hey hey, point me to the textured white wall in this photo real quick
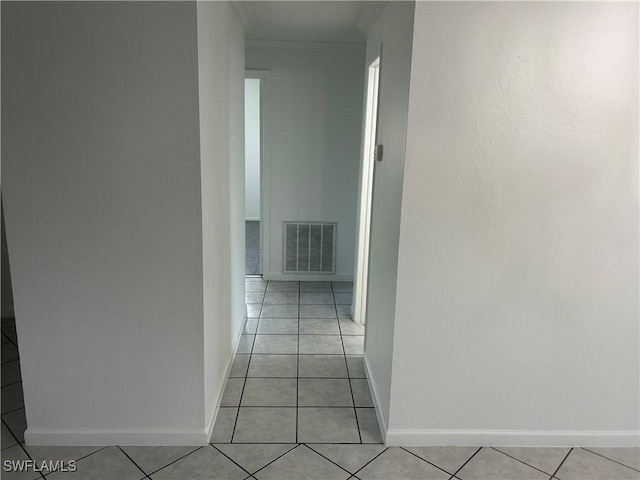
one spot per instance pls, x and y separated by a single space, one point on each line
517 302
252 148
312 126
393 29
101 177
221 89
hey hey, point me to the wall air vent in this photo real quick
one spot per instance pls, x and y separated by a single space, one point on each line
309 247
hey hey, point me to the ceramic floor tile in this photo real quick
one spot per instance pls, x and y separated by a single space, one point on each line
253 310
252 457
250 326
64 453
8 352
269 392
282 326
239 366
342 286
281 298
324 287
353 345
232 392
318 311
254 296
394 463
349 327
489 463
106 464
344 298
327 425
225 422
321 344
332 366
204 463
344 311
17 423
584 465
350 457
4 339
302 463
279 311
368 424
265 424
10 372
151 459
274 286
319 326
355 365
321 392
447 458
12 397
627 456
275 344
246 343
316 298
273 366
7 440
545 459
17 454
361 392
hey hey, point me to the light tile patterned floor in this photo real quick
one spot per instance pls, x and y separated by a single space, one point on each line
304 411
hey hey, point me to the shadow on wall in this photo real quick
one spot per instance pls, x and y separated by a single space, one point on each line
7 291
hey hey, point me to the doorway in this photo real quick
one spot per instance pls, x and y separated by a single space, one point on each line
252 175
365 201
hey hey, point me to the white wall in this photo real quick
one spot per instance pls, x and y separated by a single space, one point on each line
517 303
103 174
252 148
221 89
393 29
312 128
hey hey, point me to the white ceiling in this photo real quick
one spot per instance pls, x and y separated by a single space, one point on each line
307 21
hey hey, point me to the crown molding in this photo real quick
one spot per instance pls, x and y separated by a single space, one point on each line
369 15
244 11
278 44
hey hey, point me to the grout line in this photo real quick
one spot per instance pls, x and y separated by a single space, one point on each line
353 400
360 469
176 460
468 460
131 459
277 458
610 459
427 461
12 411
327 458
12 383
562 463
517 459
6 425
227 456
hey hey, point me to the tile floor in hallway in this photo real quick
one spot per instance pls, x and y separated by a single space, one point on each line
296 367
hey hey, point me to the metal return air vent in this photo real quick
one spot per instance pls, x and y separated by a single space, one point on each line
309 247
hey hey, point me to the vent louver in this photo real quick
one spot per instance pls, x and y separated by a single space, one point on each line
309 247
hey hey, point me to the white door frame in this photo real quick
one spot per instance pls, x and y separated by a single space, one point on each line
265 179
365 191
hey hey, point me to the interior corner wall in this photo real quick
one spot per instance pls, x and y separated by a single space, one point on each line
312 122
518 269
101 190
393 30
221 87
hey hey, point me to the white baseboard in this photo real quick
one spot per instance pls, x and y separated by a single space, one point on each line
137 437
511 438
213 413
382 421
317 277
